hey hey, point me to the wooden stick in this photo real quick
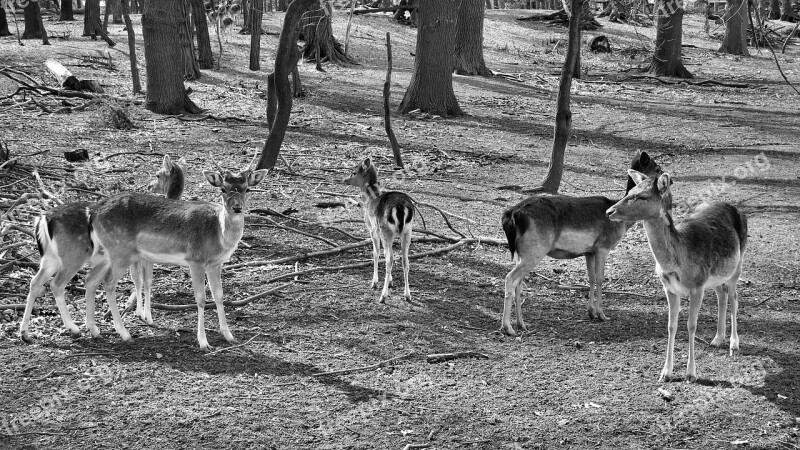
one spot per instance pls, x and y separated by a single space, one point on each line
223 349
295 230
365 368
387 117
583 287
301 257
243 302
443 212
441 357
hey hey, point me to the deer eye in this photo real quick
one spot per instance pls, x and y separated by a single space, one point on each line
247 190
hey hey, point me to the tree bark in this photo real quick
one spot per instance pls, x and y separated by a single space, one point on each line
38 12
669 34
66 14
32 29
774 9
163 32
4 23
191 67
205 56
563 126
91 18
387 115
317 30
468 56
256 12
787 13
137 85
431 87
279 97
735 41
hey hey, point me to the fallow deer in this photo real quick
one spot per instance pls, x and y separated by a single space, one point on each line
201 235
62 236
705 250
388 215
563 228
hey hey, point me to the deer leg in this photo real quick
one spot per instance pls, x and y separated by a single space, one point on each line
388 252
733 296
590 272
147 286
58 285
93 280
46 270
405 243
514 293
376 255
722 306
214 275
113 275
599 277
137 276
672 328
695 301
199 288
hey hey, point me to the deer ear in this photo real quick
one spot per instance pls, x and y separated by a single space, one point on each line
182 162
636 176
167 163
644 159
213 177
367 163
664 182
255 177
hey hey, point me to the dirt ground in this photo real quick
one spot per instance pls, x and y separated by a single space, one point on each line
568 383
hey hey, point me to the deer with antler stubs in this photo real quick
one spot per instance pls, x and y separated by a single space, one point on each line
705 250
198 234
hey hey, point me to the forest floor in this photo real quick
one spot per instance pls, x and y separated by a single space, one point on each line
567 383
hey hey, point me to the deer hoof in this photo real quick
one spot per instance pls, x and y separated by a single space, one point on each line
26 337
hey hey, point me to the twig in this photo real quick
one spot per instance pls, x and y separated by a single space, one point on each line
114 155
443 212
789 37
365 368
412 446
242 302
772 50
583 287
763 301
233 346
295 230
442 357
444 216
301 257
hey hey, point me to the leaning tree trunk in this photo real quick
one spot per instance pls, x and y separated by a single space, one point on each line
205 56
163 54
66 11
126 16
256 13
787 13
32 29
669 34
735 41
431 87
563 126
468 56
4 23
317 31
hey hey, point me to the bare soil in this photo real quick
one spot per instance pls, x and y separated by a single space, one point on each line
568 383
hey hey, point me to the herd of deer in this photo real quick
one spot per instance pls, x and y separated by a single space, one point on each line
131 231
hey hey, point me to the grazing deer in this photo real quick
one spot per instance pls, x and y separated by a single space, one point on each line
62 236
235 10
563 228
388 215
201 235
705 250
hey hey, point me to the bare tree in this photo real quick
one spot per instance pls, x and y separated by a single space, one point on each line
4 31
66 13
431 87
787 13
256 12
468 55
669 35
205 58
164 57
317 31
735 41
137 85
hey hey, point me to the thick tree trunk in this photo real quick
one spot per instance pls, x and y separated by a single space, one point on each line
137 85
66 11
468 56
774 9
164 57
91 18
205 56
563 126
669 34
4 23
321 45
191 67
787 13
116 13
32 28
735 41
431 87
38 12
136 7
256 12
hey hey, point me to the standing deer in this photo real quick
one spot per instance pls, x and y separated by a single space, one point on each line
201 235
62 236
387 215
563 228
705 250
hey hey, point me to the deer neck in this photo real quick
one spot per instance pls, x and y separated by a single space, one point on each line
664 241
232 227
370 194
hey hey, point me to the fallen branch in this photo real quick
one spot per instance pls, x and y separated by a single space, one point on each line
304 233
582 287
301 257
224 349
365 368
242 302
665 80
442 357
772 50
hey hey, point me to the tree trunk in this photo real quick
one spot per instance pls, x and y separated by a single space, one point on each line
32 29
255 33
669 34
66 11
137 85
191 68
787 13
107 13
774 9
563 126
205 56
91 18
164 57
281 5
4 23
116 13
136 7
735 41
38 12
279 99
468 56
431 87
321 45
